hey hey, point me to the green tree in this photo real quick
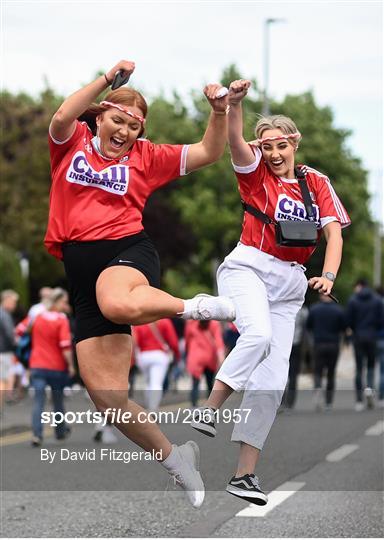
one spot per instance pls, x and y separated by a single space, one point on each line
195 221
11 276
25 174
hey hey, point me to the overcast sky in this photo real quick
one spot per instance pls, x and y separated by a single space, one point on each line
331 47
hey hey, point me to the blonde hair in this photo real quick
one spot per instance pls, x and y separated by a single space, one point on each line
8 293
276 121
56 294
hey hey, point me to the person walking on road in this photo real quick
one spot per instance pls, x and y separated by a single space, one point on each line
264 276
103 172
156 345
327 324
295 357
365 316
45 298
8 304
51 361
380 353
205 353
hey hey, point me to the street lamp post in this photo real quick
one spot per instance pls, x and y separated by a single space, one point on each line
267 23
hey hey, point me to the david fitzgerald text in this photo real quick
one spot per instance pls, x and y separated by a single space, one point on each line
99 454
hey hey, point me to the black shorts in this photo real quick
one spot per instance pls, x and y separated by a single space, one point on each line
84 262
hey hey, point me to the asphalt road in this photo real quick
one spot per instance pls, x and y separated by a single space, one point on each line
323 472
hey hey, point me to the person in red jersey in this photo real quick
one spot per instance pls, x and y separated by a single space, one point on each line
204 353
51 361
265 279
156 346
103 171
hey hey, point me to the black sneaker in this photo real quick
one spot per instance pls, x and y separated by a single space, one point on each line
98 435
247 487
64 435
204 421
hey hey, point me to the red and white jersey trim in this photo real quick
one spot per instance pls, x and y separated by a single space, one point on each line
60 142
248 168
183 160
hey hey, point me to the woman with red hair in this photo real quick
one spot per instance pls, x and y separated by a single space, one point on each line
103 172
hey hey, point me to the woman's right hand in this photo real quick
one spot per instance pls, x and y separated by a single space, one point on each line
126 66
238 90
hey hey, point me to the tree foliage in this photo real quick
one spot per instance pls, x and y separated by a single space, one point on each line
11 276
196 220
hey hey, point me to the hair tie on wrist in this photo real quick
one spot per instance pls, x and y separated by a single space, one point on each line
222 113
106 78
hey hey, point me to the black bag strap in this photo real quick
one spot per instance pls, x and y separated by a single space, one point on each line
257 213
300 176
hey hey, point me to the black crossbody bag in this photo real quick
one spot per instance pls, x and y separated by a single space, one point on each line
291 233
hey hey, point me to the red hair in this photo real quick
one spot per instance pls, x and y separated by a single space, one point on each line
124 96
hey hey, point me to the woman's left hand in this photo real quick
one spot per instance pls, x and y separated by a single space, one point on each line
321 284
217 104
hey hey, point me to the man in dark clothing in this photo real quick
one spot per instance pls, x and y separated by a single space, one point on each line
326 321
8 303
365 315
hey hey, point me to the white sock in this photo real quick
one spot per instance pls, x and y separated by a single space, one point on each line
172 462
189 305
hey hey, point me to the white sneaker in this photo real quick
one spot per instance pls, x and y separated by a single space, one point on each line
187 474
108 437
204 307
359 406
370 397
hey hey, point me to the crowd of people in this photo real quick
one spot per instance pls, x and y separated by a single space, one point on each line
105 169
171 350
323 329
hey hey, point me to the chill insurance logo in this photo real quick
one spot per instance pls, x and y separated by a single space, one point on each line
113 179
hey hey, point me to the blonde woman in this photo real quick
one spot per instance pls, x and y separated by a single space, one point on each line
265 276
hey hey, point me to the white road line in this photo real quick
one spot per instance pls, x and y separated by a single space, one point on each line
342 452
376 429
274 499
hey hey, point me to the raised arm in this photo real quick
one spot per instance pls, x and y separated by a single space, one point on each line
63 121
212 145
241 153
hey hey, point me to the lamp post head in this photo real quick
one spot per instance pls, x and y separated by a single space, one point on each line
273 20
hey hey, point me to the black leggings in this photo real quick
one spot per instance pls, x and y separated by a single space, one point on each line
365 350
326 355
209 377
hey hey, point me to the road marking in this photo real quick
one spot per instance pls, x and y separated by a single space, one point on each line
275 498
341 453
24 436
376 429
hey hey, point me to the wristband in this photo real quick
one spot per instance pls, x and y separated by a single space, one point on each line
221 113
106 78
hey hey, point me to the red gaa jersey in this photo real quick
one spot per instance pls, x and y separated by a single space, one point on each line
146 337
51 335
281 199
93 197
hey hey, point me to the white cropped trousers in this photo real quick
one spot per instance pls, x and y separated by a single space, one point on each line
267 294
154 366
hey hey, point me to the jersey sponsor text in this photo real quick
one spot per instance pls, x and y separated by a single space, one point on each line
113 179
